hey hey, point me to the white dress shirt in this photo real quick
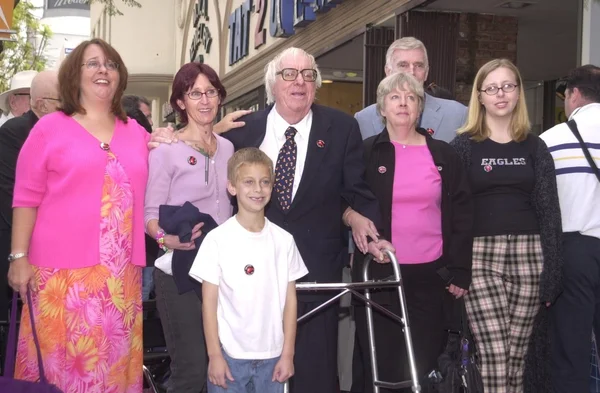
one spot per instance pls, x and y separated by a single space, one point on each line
275 138
6 117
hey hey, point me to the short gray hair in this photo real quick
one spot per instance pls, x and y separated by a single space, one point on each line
274 67
405 43
400 81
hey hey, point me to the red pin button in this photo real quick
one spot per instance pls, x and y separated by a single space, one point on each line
487 168
105 146
321 143
382 169
249 269
192 160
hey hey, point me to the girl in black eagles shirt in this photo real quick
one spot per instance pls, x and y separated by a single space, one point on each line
517 229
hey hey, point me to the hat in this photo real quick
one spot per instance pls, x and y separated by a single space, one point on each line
20 83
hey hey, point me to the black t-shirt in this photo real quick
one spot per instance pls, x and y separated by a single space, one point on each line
502 179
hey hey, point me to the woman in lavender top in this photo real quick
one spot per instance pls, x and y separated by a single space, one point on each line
193 170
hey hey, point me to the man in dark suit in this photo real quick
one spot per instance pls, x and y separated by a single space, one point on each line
318 157
13 133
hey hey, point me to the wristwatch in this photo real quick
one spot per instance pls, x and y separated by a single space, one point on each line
13 257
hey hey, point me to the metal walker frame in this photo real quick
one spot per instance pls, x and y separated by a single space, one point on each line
367 285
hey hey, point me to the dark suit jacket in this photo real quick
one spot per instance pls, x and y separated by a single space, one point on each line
13 134
333 174
179 221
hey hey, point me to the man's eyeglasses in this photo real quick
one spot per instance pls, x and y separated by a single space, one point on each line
95 65
493 90
197 94
290 74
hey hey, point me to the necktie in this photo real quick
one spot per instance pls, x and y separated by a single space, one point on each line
285 169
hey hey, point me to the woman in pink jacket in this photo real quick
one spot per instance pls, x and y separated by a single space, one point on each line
78 231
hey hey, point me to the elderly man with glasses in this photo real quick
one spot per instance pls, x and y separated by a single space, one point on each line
319 168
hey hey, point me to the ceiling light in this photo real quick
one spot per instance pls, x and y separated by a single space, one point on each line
351 74
327 81
339 74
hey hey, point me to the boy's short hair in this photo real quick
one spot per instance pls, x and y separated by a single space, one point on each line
248 155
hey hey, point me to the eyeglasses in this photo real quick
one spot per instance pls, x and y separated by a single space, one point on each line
493 90
95 65
290 74
197 94
22 94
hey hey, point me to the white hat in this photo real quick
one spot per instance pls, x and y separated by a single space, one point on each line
20 83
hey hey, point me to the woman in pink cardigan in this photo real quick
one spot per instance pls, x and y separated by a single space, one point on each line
78 231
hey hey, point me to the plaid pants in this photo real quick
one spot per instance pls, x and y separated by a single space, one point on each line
501 305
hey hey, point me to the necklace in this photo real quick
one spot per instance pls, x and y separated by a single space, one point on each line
206 149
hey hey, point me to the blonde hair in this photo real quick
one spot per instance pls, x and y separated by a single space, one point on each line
274 66
405 43
247 156
475 125
400 81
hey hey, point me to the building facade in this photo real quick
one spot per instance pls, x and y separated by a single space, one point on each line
349 39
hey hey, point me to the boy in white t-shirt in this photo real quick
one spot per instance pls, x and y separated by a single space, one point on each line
248 267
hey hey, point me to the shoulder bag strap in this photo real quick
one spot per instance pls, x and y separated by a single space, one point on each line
573 126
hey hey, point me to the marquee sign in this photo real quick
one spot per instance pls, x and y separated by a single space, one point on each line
284 17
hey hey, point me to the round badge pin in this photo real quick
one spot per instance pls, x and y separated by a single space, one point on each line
487 168
382 169
105 146
192 160
321 143
249 270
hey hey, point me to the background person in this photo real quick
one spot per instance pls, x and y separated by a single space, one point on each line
442 116
16 101
577 310
138 109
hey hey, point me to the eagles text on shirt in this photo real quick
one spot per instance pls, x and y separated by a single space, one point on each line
503 161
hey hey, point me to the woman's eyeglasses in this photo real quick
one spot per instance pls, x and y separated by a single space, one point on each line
96 64
493 90
197 94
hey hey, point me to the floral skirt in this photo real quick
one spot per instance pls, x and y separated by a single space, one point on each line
89 320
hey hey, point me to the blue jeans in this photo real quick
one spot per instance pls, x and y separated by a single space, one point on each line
251 376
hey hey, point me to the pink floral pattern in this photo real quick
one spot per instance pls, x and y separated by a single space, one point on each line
89 321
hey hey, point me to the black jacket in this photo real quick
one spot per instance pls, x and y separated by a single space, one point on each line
457 206
13 134
179 221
